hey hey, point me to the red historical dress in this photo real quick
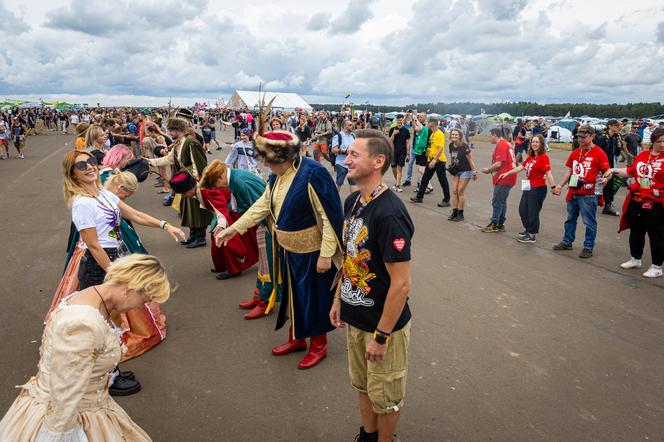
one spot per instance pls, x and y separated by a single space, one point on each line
241 252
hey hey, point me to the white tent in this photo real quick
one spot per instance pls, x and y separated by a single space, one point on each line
248 100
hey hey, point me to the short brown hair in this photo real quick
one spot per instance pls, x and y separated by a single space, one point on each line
656 134
377 144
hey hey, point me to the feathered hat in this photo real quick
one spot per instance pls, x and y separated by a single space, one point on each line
276 146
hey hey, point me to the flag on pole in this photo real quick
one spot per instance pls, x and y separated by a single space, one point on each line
346 95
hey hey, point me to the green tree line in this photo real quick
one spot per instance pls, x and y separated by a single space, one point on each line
629 110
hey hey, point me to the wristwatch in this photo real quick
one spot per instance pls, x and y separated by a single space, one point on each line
380 337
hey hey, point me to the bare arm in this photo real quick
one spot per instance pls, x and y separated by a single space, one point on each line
89 237
144 219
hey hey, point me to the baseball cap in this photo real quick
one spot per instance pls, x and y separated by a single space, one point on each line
586 130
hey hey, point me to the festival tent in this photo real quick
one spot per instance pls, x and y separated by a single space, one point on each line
560 134
248 100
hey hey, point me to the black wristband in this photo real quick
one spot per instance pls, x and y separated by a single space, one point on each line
382 332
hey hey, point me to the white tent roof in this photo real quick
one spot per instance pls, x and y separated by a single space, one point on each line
283 100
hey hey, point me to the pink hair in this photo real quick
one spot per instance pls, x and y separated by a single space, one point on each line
117 155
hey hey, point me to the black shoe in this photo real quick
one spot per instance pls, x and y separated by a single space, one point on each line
525 232
124 387
208 152
198 242
444 204
416 199
458 218
586 253
366 437
168 202
453 215
218 148
501 227
128 374
562 246
189 240
215 270
608 210
225 275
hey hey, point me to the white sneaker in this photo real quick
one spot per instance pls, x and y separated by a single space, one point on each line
653 272
399 189
21 156
633 263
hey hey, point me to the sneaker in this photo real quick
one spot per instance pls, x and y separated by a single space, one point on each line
399 189
653 272
394 188
525 232
490 228
406 183
444 204
501 227
608 210
21 156
2 157
586 253
527 238
562 246
416 199
633 263
458 218
428 190
453 215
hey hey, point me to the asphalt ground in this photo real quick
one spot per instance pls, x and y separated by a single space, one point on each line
510 341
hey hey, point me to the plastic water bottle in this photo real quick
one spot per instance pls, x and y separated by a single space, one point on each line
600 182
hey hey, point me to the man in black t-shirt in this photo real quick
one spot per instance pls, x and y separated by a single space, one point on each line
399 137
372 295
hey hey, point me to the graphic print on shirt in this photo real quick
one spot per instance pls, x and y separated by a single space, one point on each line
355 274
112 217
648 170
581 168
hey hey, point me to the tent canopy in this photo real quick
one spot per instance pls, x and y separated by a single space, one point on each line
283 101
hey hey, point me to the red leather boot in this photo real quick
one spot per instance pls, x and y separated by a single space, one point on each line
248 305
291 346
317 352
258 311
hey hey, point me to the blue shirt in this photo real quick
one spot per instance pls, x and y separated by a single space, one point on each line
346 140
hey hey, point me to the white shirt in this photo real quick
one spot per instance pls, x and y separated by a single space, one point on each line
74 119
102 213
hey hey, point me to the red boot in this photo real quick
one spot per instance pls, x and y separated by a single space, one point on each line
291 346
248 305
258 311
317 352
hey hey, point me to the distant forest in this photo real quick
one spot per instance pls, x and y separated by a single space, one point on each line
629 110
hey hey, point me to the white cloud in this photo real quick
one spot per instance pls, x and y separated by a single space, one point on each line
381 50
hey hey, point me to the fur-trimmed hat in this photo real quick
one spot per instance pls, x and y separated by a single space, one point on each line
177 124
185 113
277 146
182 182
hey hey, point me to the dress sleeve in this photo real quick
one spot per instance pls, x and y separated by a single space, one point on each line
255 214
163 161
78 338
232 155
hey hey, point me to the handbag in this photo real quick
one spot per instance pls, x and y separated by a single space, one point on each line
453 168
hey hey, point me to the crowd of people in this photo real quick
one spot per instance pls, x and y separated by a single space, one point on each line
321 263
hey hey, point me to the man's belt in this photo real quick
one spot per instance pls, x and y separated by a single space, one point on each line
302 241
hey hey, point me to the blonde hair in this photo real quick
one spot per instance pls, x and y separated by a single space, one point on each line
119 178
212 173
143 273
71 188
92 134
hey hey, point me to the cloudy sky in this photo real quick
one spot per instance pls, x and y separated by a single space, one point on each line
384 51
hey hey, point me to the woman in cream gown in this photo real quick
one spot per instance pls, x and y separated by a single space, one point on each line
68 400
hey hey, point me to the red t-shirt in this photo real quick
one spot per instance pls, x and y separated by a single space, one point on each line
587 164
503 153
535 168
648 165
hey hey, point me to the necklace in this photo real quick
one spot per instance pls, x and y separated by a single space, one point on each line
363 204
103 302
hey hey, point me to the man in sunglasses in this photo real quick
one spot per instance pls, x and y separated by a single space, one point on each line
584 190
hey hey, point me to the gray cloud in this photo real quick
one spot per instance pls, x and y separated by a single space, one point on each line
318 21
352 18
503 10
660 32
10 22
598 33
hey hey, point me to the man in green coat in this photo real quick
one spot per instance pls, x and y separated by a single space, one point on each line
187 154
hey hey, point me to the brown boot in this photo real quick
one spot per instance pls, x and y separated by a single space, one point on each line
248 305
258 311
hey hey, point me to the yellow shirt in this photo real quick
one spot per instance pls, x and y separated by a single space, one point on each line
436 142
261 210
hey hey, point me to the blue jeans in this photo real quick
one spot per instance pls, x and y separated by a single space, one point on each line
411 164
499 203
586 205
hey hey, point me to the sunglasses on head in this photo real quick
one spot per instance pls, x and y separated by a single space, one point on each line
583 135
82 165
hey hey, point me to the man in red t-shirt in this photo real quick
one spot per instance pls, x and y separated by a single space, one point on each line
584 167
502 162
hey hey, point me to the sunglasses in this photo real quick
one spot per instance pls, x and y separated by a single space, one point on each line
82 165
583 135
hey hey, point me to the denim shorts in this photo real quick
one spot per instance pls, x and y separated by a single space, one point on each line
341 175
466 174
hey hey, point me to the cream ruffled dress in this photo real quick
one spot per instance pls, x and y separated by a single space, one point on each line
68 400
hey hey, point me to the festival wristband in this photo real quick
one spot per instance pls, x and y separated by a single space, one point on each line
380 337
163 224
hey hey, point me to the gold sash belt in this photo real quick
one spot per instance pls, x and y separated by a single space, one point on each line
302 241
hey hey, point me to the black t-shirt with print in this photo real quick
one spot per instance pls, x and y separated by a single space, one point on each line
381 233
400 139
